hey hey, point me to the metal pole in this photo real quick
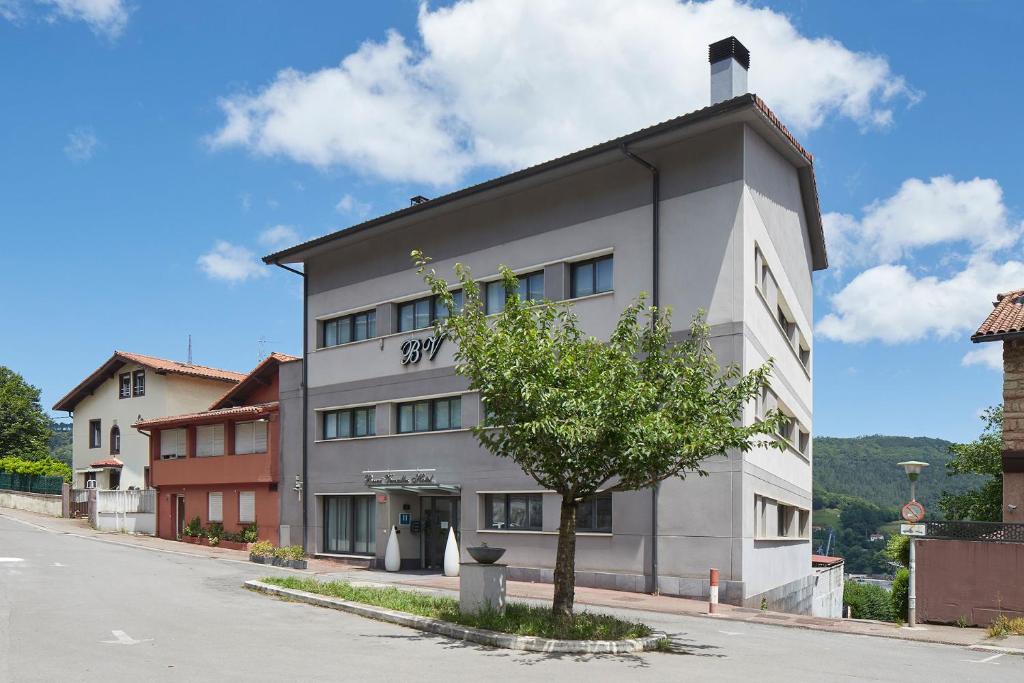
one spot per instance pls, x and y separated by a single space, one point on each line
912 599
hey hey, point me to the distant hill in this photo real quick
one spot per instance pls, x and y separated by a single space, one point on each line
866 467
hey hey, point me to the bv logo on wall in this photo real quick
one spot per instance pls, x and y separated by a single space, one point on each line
413 350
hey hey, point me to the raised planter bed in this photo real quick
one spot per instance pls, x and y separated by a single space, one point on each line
203 540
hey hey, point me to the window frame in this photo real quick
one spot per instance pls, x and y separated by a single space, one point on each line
350 321
349 415
266 436
523 277
506 501
241 519
138 383
115 440
592 502
209 506
575 266
124 385
433 306
95 433
432 405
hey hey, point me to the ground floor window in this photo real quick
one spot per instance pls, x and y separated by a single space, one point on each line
595 514
349 524
514 511
215 504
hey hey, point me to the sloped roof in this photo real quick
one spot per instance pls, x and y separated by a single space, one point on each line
254 376
1005 320
825 560
107 462
158 365
743 103
254 410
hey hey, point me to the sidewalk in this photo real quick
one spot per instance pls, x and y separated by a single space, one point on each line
589 597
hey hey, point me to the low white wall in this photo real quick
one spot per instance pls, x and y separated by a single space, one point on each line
41 503
128 522
828 592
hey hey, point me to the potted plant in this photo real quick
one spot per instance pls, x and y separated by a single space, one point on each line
250 533
261 551
280 557
193 531
485 554
296 557
214 533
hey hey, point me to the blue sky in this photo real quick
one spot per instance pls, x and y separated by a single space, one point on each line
152 151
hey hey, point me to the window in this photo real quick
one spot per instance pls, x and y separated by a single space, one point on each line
125 384
139 383
803 442
251 437
209 440
115 440
774 519
94 434
422 313
592 277
172 443
350 423
349 524
430 416
513 511
216 507
595 514
246 507
114 480
531 288
349 328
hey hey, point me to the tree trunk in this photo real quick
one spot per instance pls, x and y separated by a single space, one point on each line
565 561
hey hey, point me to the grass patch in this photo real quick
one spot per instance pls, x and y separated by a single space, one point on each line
519 619
1005 626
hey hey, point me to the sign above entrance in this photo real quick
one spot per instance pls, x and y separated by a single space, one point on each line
398 477
413 350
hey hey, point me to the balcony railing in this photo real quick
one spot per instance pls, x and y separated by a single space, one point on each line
215 469
976 531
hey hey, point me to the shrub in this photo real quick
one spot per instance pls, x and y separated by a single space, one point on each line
193 528
867 601
250 533
262 549
44 467
900 595
897 549
215 532
294 552
1004 626
281 553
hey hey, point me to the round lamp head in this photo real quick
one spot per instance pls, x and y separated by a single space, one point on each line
913 468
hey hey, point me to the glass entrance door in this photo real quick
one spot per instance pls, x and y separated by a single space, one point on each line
440 513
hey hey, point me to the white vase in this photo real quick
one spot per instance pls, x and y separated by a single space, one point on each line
393 556
451 554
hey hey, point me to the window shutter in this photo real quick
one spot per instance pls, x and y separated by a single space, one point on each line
218 439
172 443
259 437
216 512
243 437
246 506
210 440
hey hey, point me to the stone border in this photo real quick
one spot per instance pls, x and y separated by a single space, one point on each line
476 635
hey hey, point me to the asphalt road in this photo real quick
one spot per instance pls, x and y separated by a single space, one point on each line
79 609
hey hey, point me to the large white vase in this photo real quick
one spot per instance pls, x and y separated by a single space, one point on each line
451 554
393 556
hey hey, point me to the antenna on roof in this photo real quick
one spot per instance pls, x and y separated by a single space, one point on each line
190 349
261 346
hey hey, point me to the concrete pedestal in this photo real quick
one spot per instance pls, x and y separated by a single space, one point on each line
482 587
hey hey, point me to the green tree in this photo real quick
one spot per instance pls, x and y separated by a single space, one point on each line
982 456
24 427
580 415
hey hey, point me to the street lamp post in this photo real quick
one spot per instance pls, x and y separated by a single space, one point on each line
913 469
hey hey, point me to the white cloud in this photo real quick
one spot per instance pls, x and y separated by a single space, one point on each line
924 213
12 10
890 304
105 17
988 354
504 83
350 205
81 145
278 236
231 263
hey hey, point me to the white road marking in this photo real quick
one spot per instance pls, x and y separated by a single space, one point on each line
731 633
58 564
124 639
986 660
11 559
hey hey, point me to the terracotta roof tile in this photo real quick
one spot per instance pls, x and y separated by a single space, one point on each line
247 380
240 411
109 462
1005 320
825 560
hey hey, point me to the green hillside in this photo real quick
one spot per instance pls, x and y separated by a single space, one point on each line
866 467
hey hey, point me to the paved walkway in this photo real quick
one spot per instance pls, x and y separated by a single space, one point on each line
585 597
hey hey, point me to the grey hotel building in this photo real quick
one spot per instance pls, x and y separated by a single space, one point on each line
714 210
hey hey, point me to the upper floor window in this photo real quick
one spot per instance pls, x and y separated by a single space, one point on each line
349 328
592 277
251 437
421 313
210 440
115 440
531 288
350 423
595 514
139 383
172 443
125 385
95 436
430 416
514 511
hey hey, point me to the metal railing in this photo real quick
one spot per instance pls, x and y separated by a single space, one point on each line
31 483
976 531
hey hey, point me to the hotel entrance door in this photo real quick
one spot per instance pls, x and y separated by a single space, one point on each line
439 513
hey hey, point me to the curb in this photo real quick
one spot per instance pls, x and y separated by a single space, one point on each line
476 635
998 649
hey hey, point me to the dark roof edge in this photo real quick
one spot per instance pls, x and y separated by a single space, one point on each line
979 338
745 101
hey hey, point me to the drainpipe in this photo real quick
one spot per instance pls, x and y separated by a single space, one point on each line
655 301
305 400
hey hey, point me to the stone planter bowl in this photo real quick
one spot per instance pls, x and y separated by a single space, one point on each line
485 554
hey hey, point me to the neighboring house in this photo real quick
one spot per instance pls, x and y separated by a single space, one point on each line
106 452
1006 324
736 231
221 464
828 586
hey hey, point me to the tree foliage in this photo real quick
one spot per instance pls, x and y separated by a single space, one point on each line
581 415
24 427
983 456
42 467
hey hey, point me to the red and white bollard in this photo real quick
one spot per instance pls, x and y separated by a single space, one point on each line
713 593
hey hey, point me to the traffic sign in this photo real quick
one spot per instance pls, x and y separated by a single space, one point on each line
912 529
913 512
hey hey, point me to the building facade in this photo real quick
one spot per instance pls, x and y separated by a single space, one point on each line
106 452
221 464
720 214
